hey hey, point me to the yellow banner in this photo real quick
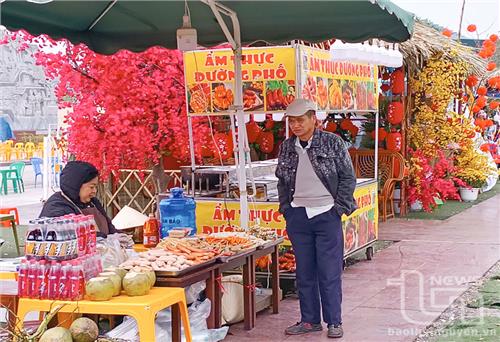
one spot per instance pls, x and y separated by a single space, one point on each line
360 229
268 79
337 85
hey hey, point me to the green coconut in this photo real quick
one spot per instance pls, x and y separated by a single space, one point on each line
136 284
116 279
57 334
100 288
84 330
120 271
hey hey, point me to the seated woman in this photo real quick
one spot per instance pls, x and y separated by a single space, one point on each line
77 196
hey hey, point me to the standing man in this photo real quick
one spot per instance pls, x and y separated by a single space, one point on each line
316 182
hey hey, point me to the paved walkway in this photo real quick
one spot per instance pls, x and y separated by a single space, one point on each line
406 286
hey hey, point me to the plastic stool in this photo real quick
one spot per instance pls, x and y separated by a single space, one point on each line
142 308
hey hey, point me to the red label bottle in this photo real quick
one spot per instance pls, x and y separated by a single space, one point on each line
151 232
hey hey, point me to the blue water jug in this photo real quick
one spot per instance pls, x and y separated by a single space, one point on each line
177 211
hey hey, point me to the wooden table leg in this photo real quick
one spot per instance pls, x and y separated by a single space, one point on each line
210 292
176 323
217 298
249 292
275 280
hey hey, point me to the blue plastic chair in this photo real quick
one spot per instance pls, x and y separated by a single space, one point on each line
37 167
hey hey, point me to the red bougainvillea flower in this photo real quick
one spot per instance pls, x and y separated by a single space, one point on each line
447 32
471 28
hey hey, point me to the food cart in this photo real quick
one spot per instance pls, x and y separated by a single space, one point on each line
272 78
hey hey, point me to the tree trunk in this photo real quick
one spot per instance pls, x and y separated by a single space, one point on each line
160 179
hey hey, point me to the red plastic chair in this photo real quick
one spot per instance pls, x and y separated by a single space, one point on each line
9 211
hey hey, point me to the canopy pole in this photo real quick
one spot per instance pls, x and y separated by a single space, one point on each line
235 41
193 160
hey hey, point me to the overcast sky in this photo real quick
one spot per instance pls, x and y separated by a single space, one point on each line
483 13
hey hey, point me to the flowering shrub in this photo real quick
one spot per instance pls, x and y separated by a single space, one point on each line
432 178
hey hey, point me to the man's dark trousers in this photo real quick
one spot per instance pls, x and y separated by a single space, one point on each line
318 244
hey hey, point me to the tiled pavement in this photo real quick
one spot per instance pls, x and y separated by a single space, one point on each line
407 285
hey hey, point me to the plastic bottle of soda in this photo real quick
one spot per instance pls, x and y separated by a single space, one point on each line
70 227
77 281
33 271
41 245
64 279
92 229
43 280
22 279
81 235
151 232
53 282
31 247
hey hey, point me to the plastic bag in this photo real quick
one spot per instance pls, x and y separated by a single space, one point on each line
198 314
232 299
193 291
111 251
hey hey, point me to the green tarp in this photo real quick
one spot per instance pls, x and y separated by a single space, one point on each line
137 25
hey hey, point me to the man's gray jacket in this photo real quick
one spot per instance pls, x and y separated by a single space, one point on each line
331 162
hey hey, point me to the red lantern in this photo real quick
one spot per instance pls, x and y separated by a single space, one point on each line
395 113
224 144
471 28
346 124
481 101
253 131
394 141
482 91
494 104
493 37
491 66
447 33
331 126
471 81
354 131
398 81
266 142
382 134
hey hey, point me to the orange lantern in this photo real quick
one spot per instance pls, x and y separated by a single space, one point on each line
447 33
481 101
494 104
471 28
331 126
395 112
224 144
491 66
346 124
471 81
493 37
253 131
394 141
266 142
382 134
482 91
398 81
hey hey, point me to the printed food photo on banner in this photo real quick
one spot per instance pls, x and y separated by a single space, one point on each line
334 94
322 93
347 95
363 229
222 96
253 98
371 96
309 89
351 234
279 94
372 233
361 96
199 98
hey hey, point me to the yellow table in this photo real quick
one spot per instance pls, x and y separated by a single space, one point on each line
142 308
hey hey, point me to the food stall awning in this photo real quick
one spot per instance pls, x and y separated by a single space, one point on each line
108 26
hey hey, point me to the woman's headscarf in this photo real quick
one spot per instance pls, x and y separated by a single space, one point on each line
74 175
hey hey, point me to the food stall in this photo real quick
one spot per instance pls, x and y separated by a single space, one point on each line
272 78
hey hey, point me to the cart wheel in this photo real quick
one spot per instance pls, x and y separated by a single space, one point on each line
369 253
